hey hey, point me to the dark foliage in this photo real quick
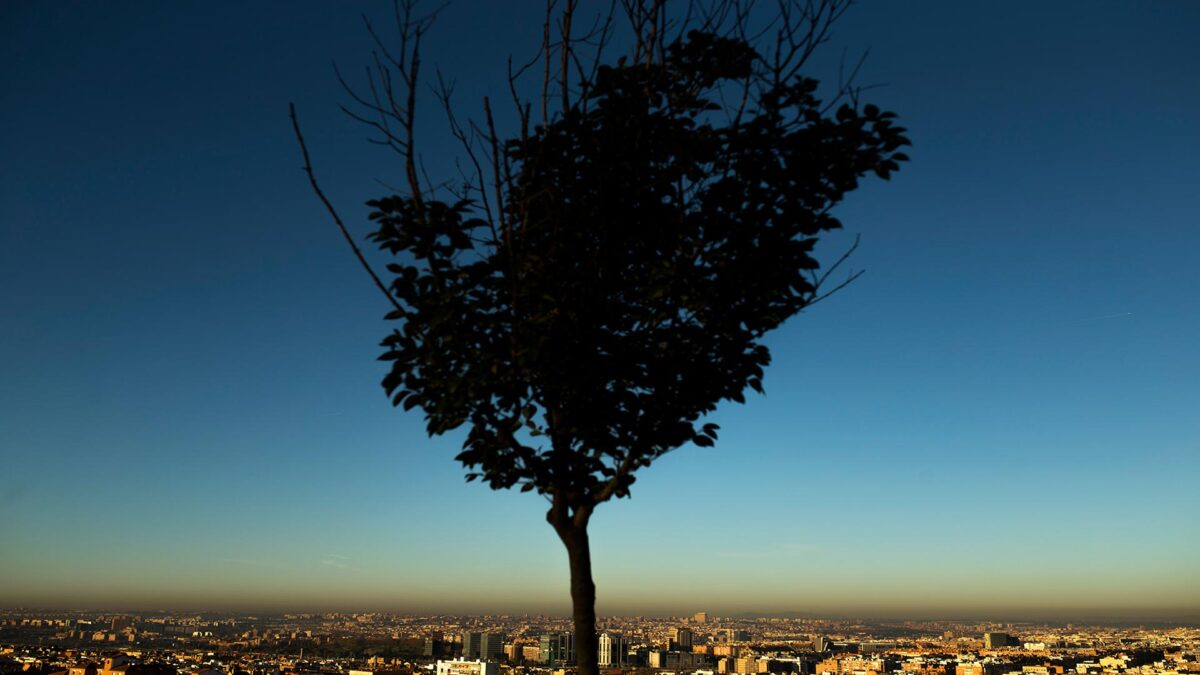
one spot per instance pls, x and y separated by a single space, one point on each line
643 243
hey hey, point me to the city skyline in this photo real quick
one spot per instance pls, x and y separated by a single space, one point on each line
638 641
375 644
997 419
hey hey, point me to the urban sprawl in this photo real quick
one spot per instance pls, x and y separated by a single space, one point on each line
79 643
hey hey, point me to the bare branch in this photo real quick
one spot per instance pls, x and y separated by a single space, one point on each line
410 164
820 280
546 62
494 142
521 107
565 55
466 138
312 179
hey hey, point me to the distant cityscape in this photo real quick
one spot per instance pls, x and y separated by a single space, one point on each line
90 643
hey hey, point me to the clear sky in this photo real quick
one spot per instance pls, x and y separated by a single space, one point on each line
1002 417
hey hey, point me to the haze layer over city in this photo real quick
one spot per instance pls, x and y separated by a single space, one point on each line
997 422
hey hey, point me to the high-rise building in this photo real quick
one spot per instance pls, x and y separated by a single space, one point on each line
491 646
700 617
470 644
998 640
820 643
612 649
682 638
558 649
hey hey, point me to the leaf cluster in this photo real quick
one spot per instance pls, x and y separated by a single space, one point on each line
644 241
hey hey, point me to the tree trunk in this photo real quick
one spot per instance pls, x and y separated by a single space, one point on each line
583 592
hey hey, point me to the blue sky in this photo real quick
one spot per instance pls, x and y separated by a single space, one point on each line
1000 417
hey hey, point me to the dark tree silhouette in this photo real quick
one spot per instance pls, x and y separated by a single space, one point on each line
605 276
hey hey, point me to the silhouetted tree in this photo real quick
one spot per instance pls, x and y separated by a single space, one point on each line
605 275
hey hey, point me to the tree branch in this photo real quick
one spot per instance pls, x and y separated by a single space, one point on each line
312 179
820 280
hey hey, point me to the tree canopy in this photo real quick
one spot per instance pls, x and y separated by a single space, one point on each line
618 286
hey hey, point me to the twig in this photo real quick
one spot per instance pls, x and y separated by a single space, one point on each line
312 179
819 281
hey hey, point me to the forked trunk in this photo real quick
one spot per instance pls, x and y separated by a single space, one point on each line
583 594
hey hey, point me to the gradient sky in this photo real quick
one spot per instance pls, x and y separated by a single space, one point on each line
1002 417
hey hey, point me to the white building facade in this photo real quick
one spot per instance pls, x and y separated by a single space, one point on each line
612 649
463 667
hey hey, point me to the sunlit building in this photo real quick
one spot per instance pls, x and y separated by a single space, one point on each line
464 667
612 649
